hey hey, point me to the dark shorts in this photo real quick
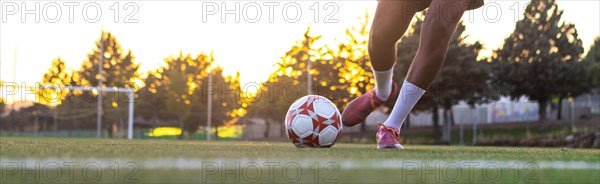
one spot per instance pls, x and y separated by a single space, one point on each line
420 5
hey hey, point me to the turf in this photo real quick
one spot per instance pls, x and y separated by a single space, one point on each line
320 165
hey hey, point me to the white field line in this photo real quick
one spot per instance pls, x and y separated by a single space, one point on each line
198 164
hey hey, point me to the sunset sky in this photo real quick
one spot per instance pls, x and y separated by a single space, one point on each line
166 27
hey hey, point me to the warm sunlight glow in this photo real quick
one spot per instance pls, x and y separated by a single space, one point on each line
235 131
353 90
165 131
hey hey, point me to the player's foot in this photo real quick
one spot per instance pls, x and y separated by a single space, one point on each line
358 110
387 137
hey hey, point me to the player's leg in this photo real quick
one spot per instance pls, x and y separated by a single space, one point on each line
436 32
391 21
437 29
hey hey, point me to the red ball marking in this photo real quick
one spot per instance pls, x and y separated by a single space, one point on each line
336 121
295 141
304 111
292 134
336 124
335 116
315 124
303 106
321 119
308 141
311 107
322 126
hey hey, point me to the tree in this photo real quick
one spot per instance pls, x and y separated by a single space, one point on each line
462 78
593 59
32 117
151 98
180 96
295 63
2 102
354 63
181 88
181 78
541 58
148 96
118 70
226 106
57 76
3 126
2 106
75 107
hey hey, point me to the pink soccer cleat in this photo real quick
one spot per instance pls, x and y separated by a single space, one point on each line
387 137
358 110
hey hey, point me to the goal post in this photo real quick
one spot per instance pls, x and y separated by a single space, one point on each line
130 94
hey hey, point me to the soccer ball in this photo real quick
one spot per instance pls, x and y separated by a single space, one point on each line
313 121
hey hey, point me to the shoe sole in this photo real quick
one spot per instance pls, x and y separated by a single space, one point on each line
391 147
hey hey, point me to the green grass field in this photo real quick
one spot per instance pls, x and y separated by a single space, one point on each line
162 161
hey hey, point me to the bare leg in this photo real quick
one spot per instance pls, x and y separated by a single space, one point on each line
391 21
437 29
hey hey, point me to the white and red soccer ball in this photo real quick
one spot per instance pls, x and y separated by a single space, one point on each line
313 121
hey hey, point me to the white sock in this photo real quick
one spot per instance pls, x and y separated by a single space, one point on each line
383 83
409 96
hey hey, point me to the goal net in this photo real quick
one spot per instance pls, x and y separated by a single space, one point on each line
71 108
